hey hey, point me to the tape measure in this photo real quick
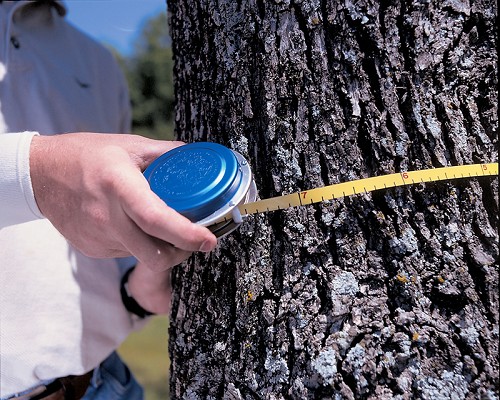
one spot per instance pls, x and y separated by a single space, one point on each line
359 186
213 185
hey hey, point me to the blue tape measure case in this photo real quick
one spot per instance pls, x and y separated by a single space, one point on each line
203 181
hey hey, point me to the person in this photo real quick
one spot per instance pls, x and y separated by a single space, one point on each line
73 208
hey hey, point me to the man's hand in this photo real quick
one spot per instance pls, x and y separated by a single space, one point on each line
91 187
151 289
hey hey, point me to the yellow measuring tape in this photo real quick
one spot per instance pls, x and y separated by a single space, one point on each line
366 185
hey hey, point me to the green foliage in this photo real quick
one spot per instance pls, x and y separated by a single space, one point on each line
149 74
146 354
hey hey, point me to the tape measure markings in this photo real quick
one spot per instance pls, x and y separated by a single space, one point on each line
344 189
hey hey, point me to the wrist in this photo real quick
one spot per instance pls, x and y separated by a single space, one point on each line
128 299
151 289
40 155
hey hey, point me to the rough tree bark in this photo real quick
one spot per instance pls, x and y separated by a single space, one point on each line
385 295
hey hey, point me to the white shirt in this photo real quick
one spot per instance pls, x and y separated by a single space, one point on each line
60 311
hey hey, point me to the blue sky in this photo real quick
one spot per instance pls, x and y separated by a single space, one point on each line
115 22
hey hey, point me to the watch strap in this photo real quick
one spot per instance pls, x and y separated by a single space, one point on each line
128 300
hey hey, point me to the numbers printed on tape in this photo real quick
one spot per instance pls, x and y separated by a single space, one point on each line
365 185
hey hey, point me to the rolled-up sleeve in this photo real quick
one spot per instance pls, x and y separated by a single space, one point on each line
17 200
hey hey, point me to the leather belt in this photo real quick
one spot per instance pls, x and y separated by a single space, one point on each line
68 388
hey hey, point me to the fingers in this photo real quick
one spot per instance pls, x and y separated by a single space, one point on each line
163 222
153 216
154 233
158 220
156 254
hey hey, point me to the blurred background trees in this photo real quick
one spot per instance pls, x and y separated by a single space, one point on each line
149 75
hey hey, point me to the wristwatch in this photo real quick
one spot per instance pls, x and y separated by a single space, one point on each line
128 300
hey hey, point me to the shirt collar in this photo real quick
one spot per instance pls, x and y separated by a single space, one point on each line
59 5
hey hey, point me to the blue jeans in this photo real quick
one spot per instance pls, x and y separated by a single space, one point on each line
112 380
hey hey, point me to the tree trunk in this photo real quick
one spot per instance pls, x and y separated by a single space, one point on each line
391 294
